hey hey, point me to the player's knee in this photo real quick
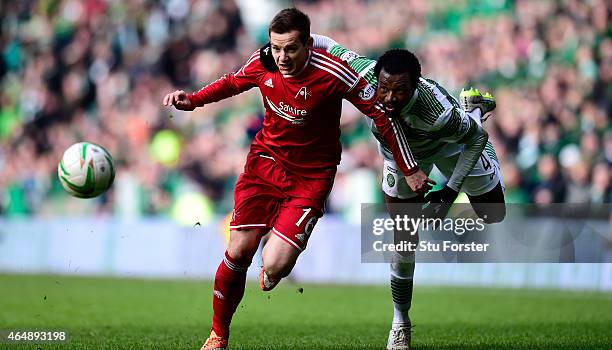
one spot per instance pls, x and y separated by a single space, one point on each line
241 252
277 269
496 215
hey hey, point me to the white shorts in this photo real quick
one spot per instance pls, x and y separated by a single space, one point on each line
485 175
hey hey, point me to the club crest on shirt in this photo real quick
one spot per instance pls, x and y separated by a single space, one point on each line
390 180
367 92
304 93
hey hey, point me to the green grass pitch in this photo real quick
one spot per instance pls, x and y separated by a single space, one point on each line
104 313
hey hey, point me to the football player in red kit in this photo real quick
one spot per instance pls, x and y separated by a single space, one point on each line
292 162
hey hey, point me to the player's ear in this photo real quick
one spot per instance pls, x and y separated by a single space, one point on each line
310 42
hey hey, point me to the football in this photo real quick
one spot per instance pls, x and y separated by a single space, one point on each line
86 170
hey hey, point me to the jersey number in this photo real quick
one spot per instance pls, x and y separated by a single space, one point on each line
485 162
306 211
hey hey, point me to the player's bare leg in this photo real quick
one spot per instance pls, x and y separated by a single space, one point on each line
229 284
279 258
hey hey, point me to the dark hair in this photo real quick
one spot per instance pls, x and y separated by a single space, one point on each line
291 19
399 61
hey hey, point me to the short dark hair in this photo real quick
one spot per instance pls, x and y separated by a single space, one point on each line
291 19
399 61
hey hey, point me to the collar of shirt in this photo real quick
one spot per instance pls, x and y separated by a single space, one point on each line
407 107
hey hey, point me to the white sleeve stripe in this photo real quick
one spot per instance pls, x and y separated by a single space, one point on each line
340 66
401 140
402 150
253 55
410 155
405 140
403 143
253 58
354 85
332 72
325 63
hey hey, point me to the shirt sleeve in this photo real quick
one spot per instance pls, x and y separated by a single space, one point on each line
322 42
363 96
230 84
362 65
456 126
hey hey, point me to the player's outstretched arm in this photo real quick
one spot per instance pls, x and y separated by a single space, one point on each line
362 96
179 100
460 128
464 130
227 86
322 42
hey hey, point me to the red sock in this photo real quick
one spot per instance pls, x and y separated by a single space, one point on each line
228 291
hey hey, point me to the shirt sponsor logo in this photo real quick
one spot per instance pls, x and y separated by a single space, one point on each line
287 108
367 92
288 112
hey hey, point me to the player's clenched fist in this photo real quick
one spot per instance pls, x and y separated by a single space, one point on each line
179 100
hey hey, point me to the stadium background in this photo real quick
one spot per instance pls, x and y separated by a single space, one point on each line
96 70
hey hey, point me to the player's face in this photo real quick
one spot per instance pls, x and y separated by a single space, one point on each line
394 91
289 53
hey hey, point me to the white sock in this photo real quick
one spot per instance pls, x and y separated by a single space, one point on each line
401 291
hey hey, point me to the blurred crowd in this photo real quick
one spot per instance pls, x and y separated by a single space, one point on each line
96 70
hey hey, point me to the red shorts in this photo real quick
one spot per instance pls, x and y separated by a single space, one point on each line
269 197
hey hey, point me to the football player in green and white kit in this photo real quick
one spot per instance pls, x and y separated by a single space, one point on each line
439 132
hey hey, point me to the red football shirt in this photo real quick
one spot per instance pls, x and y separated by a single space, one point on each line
301 127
